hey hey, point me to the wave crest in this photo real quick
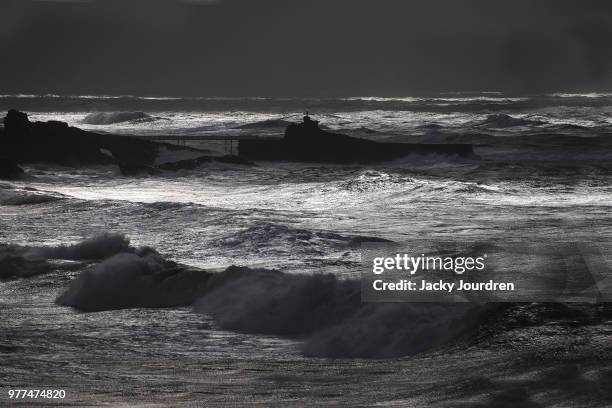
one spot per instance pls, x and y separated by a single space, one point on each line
10 195
327 313
501 120
139 279
108 118
26 261
98 247
278 236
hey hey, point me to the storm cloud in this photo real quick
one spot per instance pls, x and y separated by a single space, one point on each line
298 48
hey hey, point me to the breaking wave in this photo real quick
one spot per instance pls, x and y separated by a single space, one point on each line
393 183
141 278
96 248
18 261
321 310
10 195
373 180
14 263
501 120
107 118
327 314
25 198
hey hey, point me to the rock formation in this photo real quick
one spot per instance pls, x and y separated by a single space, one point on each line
309 143
55 142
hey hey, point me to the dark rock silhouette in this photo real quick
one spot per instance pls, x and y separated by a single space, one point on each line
309 143
57 143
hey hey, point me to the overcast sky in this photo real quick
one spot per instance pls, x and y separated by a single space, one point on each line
304 48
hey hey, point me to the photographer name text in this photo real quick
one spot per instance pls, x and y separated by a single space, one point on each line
413 264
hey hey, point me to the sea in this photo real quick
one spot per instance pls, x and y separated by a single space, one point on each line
541 172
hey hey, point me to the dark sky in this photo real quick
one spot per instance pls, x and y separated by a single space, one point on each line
304 48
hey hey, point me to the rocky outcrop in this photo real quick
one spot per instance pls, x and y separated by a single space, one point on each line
309 143
56 142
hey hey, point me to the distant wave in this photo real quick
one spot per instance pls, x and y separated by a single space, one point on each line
568 127
360 131
10 195
583 95
431 126
501 120
485 97
107 118
366 130
396 183
25 199
444 103
266 124
301 240
372 180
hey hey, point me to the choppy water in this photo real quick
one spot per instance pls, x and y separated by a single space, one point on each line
543 173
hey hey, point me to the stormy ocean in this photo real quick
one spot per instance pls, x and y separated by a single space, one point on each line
284 325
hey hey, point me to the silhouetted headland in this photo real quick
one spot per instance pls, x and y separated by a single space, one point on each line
307 142
55 142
